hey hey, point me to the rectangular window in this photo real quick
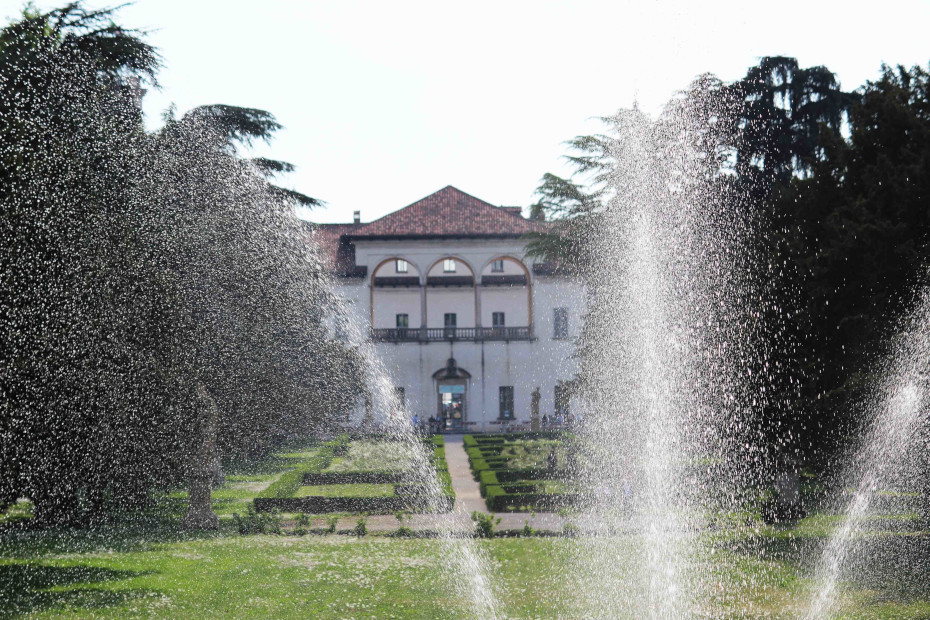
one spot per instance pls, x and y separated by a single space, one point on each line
449 324
448 265
400 266
497 266
506 402
497 319
559 323
403 321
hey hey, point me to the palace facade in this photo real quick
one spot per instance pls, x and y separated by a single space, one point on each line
466 326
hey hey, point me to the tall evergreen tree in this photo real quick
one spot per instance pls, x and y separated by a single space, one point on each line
157 293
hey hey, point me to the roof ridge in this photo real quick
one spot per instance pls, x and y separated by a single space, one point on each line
427 197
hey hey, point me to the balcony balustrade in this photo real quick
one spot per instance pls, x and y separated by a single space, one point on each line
519 280
397 281
456 334
450 281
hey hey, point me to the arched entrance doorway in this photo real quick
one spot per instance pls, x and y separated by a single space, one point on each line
451 391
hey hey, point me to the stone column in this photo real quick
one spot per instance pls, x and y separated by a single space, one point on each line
423 310
477 307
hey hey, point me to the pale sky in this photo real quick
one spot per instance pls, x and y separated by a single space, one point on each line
385 102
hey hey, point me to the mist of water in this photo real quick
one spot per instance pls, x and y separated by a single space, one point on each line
897 411
466 562
662 366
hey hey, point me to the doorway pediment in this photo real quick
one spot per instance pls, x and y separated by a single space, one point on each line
451 371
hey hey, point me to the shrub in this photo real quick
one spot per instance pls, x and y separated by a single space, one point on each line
403 532
361 526
484 524
301 524
469 441
340 445
257 523
331 523
570 530
528 529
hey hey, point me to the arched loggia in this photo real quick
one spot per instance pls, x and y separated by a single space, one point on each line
450 300
396 294
512 274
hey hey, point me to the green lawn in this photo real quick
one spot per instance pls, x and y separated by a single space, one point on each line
743 571
244 480
346 490
335 576
368 455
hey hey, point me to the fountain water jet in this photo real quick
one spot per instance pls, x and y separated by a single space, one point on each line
466 560
664 356
900 405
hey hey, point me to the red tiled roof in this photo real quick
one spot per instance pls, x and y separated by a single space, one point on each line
449 212
339 253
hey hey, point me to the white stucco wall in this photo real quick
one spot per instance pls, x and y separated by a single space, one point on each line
458 300
525 365
511 268
512 301
389 302
388 269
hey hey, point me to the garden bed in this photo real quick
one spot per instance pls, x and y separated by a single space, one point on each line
511 470
358 481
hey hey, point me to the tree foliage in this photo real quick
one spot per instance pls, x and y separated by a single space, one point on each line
835 186
139 270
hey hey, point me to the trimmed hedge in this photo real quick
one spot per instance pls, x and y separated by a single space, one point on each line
487 477
499 500
506 489
280 494
376 505
288 483
515 475
496 438
355 477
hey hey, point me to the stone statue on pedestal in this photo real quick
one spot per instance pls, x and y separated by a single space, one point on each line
534 410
